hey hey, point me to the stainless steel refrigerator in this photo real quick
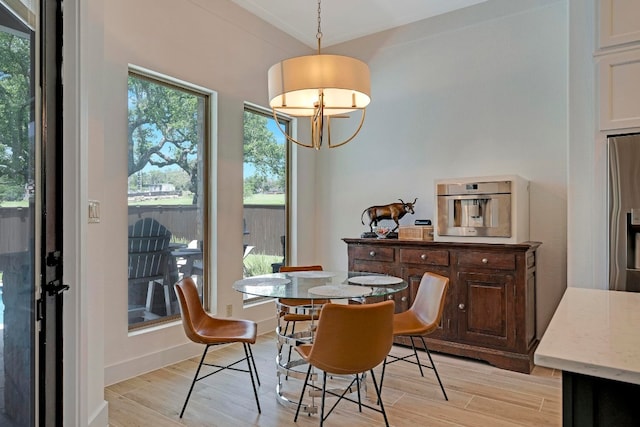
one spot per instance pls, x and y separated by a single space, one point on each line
624 212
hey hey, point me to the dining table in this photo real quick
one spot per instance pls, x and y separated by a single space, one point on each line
313 288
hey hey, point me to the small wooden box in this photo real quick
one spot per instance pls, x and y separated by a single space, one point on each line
415 232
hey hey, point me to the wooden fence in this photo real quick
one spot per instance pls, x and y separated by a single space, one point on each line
16 229
264 224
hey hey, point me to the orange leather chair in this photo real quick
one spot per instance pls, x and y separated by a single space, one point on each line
202 328
289 316
349 340
420 320
293 310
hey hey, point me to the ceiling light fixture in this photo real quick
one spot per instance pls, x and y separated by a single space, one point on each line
319 87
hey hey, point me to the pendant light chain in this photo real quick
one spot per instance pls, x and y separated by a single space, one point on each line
319 33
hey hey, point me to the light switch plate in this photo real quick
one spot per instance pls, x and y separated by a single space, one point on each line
94 211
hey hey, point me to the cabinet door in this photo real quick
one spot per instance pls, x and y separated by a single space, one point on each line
619 22
485 309
413 276
619 82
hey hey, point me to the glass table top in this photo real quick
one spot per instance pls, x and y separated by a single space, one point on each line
320 285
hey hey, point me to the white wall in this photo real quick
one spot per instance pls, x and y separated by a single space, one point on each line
482 91
465 94
459 95
588 239
216 45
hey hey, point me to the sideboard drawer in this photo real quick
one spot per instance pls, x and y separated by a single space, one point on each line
422 256
374 253
500 261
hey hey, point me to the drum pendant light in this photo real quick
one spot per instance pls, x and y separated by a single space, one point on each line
320 87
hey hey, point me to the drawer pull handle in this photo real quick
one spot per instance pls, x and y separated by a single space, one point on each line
403 299
372 253
423 256
390 297
461 306
484 260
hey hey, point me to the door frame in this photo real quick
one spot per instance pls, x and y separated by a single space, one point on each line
80 359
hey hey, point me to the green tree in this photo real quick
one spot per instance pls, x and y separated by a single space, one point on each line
165 128
16 105
254 184
263 152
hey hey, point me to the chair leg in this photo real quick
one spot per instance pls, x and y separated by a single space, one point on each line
384 367
293 331
358 388
433 365
306 380
195 378
415 353
254 364
286 329
324 414
324 391
253 383
417 362
378 392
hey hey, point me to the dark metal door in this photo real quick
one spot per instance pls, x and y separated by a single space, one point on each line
30 214
51 299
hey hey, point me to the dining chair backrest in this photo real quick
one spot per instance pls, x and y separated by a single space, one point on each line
350 338
428 305
294 268
191 308
290 268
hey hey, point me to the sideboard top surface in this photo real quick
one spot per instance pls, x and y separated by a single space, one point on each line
524 246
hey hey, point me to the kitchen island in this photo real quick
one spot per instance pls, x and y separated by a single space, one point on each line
594 338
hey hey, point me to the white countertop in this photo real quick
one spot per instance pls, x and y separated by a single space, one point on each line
594 332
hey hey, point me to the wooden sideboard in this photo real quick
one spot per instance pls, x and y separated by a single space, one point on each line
490 310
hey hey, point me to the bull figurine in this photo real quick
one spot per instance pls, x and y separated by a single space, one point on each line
394 211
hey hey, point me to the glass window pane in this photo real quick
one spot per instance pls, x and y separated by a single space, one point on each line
265 193
167 139
18 209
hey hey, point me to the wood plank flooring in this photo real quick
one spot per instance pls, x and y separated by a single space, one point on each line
479 395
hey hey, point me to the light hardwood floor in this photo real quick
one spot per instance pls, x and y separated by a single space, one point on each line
479 395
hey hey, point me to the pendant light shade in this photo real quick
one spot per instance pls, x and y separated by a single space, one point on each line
319 87
295 85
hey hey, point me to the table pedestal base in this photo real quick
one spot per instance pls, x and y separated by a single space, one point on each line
292 371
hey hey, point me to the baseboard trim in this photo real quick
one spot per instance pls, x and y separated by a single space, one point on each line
149 362
100 417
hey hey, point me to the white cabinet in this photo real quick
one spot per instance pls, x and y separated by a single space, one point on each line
619 22
619 80
619 64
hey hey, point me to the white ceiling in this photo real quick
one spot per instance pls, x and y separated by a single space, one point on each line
343 20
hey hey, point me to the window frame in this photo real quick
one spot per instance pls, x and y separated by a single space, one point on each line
288 123
208 183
